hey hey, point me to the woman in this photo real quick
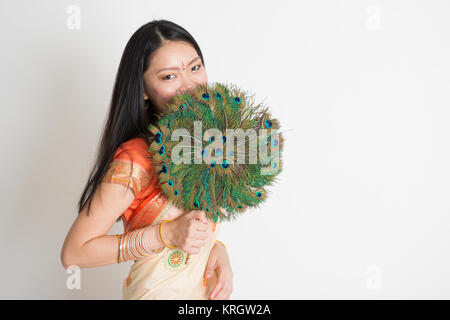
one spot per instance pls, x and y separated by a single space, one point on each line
178 256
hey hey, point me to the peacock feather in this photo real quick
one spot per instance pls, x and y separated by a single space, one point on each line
215 150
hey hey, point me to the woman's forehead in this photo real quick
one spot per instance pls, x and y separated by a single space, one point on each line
173 55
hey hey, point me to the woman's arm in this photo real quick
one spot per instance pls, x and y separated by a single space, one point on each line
87 245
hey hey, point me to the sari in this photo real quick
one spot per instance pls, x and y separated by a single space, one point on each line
169 273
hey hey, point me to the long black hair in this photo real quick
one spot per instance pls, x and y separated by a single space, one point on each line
129 115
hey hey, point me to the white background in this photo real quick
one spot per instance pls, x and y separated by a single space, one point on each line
362 207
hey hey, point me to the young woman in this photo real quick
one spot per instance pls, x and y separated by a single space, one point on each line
176 254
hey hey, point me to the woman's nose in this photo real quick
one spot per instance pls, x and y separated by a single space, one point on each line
185 88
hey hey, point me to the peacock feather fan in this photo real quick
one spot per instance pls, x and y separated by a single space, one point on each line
215 150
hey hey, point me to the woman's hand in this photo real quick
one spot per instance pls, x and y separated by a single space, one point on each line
219 261
189 232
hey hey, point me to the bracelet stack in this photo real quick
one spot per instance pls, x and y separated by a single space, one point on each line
132 246
119 237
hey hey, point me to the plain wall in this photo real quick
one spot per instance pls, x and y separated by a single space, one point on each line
360 87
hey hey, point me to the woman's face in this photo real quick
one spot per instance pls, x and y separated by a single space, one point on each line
174 68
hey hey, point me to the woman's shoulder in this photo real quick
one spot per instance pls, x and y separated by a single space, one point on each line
132 165
135 150
138 144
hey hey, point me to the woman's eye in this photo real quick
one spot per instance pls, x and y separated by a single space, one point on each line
199 66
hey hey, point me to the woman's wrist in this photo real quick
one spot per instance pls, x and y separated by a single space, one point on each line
152 239
137 244
166 234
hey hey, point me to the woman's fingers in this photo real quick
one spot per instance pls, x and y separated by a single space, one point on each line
221 294
197 243
216 290
225 291
202 227
223 287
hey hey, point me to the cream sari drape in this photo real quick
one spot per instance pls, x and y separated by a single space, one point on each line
168 276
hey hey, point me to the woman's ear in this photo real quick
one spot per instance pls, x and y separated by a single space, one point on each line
146 104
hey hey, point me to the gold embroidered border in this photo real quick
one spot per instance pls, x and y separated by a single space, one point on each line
119 171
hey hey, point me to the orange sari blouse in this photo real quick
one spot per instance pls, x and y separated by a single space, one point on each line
132 166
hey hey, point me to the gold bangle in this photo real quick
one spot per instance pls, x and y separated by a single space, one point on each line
221 243
119 237
160 234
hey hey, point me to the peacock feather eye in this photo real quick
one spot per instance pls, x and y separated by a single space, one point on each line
217 213
218 151
164 168
196 204
225 164
170 182
207 209
224 139
158 137
162 150
183 106
205 96
211 139
213 164
218 96
203 153
268 124
176 192
259 194
237 100
239 206
275 142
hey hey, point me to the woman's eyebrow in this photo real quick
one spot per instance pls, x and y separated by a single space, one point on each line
176 68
